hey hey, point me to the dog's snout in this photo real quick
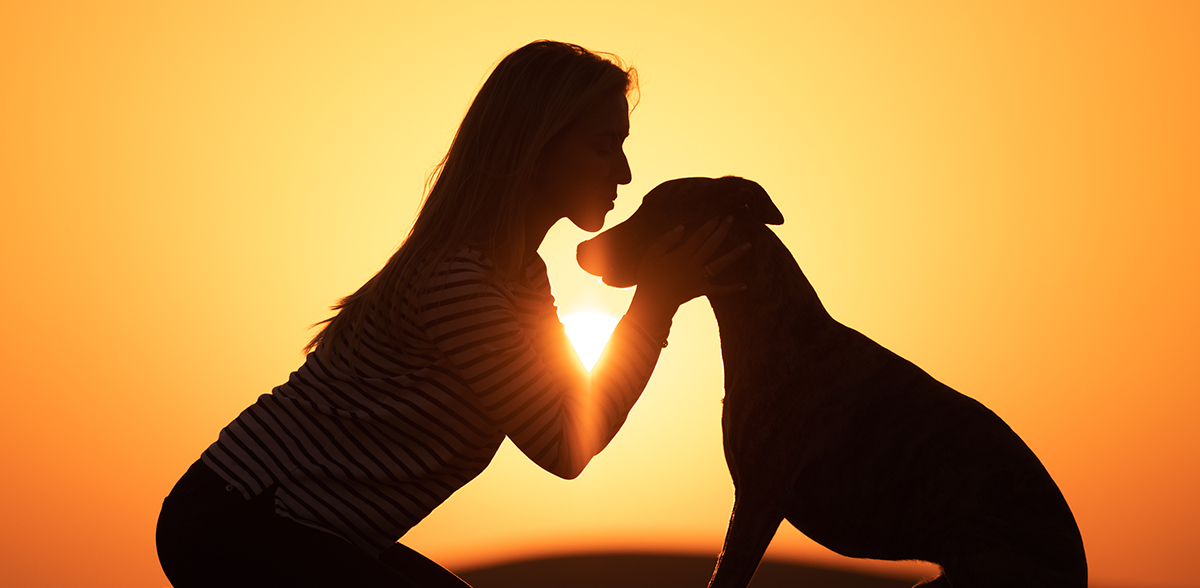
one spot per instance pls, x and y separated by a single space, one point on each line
592 257
598 256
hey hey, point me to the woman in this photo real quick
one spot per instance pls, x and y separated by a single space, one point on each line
409 389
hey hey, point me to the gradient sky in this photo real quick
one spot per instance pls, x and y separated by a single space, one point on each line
1005 193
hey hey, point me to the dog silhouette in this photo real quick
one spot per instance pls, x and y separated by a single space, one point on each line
861 450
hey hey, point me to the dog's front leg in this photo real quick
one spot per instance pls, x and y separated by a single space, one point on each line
751 527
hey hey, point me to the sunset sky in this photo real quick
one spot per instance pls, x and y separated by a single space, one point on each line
1006 193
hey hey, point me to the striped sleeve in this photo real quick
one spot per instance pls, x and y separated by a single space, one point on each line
513 352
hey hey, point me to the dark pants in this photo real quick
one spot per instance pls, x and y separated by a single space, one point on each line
209 536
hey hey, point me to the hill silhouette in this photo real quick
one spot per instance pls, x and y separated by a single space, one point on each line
659 571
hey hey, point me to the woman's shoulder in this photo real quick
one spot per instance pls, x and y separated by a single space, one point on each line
469 265
464 272
468 255
463 263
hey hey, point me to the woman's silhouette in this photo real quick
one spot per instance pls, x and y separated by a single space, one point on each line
409 389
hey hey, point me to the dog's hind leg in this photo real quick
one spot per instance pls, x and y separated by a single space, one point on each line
1004 563
751 528
1005 570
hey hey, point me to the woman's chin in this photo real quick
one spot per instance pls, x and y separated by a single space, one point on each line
590 223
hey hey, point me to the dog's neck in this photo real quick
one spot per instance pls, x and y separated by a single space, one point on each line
779 310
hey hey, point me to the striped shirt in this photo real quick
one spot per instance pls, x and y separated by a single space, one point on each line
366 442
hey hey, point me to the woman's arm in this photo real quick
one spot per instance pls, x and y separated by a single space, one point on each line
516 358
515 355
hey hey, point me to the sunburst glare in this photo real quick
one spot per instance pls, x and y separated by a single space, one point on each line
589 332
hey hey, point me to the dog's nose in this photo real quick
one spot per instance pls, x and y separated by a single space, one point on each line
592 257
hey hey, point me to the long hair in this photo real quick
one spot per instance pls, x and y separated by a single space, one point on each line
479 193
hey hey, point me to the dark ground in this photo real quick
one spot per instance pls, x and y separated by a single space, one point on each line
658 571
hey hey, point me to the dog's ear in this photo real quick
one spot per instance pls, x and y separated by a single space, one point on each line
751 195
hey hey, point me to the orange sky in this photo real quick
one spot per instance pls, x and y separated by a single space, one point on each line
1005 193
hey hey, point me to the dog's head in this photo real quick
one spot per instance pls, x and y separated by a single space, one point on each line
615 254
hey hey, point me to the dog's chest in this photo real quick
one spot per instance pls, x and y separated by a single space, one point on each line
769 429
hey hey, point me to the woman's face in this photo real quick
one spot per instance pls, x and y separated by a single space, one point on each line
581 167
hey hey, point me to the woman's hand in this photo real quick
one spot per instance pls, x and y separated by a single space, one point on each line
669 277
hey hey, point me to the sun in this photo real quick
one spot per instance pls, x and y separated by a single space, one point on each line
589 332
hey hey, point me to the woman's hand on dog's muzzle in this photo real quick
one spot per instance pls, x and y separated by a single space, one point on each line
668 276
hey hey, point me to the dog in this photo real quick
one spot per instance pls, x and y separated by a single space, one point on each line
861 450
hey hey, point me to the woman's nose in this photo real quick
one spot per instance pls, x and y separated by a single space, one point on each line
624 174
